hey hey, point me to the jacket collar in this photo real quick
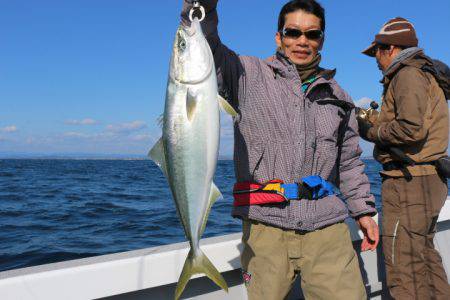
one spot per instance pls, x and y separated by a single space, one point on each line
281 64
418 60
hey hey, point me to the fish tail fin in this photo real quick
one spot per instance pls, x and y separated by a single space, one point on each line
197 263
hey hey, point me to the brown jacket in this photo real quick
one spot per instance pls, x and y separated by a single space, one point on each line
414 117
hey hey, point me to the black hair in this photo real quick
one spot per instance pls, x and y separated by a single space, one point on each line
382 46
309 6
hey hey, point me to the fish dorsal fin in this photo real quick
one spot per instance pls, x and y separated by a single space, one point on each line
226 106
160 120
191 104
157 155
214 194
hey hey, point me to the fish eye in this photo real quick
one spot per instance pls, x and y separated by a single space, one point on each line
182 45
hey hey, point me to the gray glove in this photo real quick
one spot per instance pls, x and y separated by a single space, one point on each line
364 126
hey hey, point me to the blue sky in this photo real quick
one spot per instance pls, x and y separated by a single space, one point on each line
90 76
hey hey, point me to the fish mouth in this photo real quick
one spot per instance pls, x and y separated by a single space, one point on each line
194 28
190 30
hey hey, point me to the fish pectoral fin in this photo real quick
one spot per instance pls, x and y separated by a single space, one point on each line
197 263
214 194
227 107
191 104
158 157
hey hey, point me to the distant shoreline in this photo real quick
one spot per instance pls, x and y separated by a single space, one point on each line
95 157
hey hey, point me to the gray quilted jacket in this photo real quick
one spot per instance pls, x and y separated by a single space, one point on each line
283 133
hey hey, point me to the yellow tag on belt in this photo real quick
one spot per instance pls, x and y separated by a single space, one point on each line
274 187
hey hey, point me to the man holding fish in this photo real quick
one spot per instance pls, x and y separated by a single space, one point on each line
295 143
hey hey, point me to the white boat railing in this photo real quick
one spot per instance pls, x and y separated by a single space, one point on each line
152 273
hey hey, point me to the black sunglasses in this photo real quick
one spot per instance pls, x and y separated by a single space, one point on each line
294 33
377 47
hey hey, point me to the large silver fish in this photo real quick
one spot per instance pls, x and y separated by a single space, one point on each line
188 150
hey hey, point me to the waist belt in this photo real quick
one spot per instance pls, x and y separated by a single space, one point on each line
395 165
276 191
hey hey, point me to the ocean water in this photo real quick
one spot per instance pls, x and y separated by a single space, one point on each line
56 210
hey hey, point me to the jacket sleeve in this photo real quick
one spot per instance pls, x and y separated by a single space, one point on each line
411 96
354 183
229 67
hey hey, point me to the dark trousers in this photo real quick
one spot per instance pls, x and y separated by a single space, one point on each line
410 210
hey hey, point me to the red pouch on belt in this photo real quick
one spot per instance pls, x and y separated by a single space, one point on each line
251 193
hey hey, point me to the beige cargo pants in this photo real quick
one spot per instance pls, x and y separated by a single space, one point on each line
272 258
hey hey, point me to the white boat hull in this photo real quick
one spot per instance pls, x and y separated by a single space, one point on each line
152 273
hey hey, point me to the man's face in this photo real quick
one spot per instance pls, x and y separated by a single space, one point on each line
383 57
300 50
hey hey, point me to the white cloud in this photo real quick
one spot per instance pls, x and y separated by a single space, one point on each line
87 121
9 129
73 134
107 136
141 137
126 128
79 141
37 140
363 102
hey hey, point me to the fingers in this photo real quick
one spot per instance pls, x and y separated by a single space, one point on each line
376 236
373 235
365 245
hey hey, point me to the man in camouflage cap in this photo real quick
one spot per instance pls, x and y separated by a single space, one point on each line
413 120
